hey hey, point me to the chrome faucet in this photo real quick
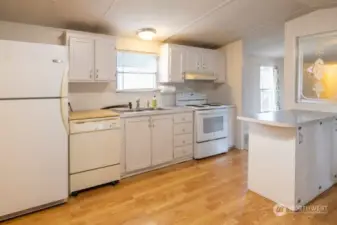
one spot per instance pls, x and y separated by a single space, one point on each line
137 103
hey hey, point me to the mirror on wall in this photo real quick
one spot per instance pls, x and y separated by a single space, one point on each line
317 68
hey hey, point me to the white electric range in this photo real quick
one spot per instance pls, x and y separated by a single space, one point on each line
210 123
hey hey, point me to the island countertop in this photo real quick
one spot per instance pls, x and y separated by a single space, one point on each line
286 118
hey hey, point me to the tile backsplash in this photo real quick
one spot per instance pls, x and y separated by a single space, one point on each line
87 96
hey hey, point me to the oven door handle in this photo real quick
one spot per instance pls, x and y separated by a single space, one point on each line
213 114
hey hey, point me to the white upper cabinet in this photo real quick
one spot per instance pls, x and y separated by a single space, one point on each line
220 70
92 57
177 60
193 60
208 63
171 64
81 65
105 60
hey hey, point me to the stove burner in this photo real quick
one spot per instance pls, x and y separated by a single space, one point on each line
198 106
213 104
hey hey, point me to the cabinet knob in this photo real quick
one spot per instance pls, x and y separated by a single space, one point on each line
320 187
320 123
335 176
299 201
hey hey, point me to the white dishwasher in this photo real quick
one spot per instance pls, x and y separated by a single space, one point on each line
95 146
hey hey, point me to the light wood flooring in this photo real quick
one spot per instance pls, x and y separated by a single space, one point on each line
206 192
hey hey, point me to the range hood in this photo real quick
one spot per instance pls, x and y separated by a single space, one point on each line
200 76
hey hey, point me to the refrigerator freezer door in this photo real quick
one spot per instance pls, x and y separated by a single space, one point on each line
33 154
31 70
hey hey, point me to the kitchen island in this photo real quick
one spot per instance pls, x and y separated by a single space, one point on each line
292 155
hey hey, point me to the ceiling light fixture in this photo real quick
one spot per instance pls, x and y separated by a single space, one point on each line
146 33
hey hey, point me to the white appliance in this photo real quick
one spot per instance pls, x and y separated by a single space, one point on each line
210 122
33 127
95 147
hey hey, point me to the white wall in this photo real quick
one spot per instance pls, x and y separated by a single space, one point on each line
317 22
233 92
251 81
93 96
85 96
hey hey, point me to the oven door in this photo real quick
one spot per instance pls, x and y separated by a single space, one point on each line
211 124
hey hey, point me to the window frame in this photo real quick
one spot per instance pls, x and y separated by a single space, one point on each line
299 97
139 89
275 91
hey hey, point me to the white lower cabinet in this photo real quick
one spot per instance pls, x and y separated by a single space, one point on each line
137 143
334 153
314 173
162 139
155 141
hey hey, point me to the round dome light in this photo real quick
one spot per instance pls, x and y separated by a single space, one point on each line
146 33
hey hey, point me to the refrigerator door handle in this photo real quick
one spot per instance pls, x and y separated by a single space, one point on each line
57 61
64 83
64 113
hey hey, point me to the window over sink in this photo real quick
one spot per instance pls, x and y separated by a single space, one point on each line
136 71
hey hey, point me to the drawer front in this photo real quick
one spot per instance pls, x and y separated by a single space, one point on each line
88 126
183 128
183 118
183 139
94 150
94 178
180 152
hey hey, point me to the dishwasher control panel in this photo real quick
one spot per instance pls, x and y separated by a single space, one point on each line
81 126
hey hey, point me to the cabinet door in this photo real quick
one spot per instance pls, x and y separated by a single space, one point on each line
220 71
231 125
81 65
209 58
176 64
137 143
162 139
334 152
193 60
105 60
323 155
306 173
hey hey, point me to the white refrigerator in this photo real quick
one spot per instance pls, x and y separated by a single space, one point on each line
33 127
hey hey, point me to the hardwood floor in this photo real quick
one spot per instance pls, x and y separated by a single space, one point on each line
206 192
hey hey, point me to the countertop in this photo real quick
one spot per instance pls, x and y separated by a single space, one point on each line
167 110
286 118
91 114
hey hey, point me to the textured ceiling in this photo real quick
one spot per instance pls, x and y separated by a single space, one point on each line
209 23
